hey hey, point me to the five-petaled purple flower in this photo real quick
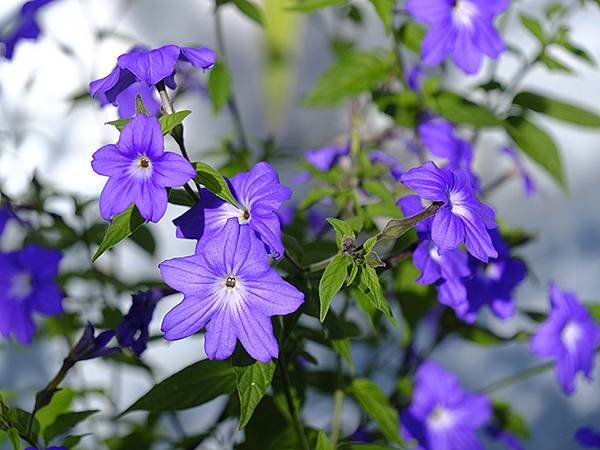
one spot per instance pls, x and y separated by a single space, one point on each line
442 415
462 217
27 285
569 336
259 196
25 27
463 29
148 67
90 346
230 288
324 158
139 170
133 330
588 437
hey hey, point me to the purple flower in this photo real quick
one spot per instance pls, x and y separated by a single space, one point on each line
230 288
443 416
27 285
127 98
148 67
133 330
90 346
439 138
324 158
528 183
462 218
462 29
588 437
381 157
500 435
569 336
139 170
259 195
25 27
493 283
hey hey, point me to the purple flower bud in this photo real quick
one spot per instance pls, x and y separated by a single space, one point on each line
133 330
90 346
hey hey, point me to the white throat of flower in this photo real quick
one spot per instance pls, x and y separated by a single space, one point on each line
440 418
570 335
142 166
464 12
493 271
244 216
21 286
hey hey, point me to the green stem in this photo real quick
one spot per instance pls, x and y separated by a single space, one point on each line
296 422
338 400
524 375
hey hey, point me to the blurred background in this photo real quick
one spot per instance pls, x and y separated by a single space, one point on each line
49 126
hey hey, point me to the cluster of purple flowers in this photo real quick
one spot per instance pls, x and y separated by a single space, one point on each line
229 286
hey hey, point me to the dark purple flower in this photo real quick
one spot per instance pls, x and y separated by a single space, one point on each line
493 283
509 440
443 416
569 336
439 138
27 285
139 170
230 288
24 27
148 67
528 183
588 437
90 346
324 158
381 157
259 195
462 218
461 29
133 330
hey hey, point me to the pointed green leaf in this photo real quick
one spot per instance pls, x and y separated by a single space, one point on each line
558 109
214 182
65 422
323 442
307 6
219 86
385 11
460 110
170 121
315 195
534 27
121 227
14 438
332 281
252 383
369 283
342 229
190 387
374 402
342 348
60 403
250 10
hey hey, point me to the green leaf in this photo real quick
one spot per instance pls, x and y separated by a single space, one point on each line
558 109
538 145
385 11
252 383
307 6
411 34
342 229
170 121
144 239
192 386
60 403
594 310
462 111
14 438
250 10
121 227
510 421
353 73
316 195
180 197
369 283
214 182
553 64
65 422
374 402
370 244
332 281
342 348
219 86
323 442
119 124
534 27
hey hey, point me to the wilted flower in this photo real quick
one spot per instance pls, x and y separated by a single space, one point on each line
442 415
462 218
462 29
139 170
27 285
259 195
133 330
232 290
569 336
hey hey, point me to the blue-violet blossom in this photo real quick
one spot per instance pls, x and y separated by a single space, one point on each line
133 330
324 158
139 170
27 285
569 336
230 288
90 346
588 437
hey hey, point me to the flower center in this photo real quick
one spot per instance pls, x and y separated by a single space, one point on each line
440 417
144 162
244 216
433 252
21 286
570 335
493 271
230 281
463 12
